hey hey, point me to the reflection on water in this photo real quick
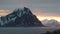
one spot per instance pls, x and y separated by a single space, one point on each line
26 30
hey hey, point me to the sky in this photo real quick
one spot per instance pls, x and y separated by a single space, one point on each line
43 9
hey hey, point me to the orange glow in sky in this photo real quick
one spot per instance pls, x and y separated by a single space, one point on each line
48 17
4 12
39 15
42 16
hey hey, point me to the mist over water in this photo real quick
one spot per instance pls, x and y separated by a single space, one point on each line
26 30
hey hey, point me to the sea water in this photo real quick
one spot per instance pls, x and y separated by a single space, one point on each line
26 30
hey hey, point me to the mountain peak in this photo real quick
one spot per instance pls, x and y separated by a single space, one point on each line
20 17
21 11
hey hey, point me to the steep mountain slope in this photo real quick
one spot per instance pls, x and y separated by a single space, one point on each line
20 17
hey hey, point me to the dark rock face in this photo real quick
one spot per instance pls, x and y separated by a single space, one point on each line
20 18
54 32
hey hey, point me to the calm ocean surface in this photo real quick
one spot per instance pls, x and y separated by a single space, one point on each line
26 30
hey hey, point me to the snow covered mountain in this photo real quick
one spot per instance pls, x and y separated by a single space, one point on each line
51 22
20 17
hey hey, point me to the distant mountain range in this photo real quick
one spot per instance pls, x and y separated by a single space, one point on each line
21 17
52 23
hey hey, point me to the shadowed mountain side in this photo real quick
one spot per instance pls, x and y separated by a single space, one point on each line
54 32
20 18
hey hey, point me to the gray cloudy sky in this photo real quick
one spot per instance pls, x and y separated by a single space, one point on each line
47 7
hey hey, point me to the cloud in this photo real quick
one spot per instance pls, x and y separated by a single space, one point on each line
37 12
52 6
